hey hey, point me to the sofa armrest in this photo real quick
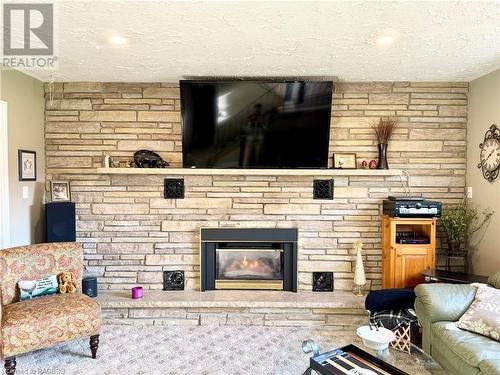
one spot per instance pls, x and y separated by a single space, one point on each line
440 302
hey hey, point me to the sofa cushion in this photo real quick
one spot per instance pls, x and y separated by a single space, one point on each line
483 315
471 347
41 322
490 366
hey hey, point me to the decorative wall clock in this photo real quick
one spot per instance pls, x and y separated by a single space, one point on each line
490 154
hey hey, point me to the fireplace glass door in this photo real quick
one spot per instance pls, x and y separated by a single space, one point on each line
251 268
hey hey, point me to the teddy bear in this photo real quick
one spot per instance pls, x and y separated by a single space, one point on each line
66 282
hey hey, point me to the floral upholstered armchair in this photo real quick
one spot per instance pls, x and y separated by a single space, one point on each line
40 322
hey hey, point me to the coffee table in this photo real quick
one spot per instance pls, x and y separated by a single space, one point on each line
413 362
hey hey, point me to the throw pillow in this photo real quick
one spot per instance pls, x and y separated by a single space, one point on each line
36 288
483 315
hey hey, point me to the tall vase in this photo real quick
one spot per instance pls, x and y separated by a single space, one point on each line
382 156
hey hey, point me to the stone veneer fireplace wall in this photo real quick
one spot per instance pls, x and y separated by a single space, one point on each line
131 234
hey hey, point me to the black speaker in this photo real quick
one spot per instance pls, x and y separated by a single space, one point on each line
60 222
89 286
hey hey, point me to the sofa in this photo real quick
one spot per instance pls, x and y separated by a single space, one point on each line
40 322
458 351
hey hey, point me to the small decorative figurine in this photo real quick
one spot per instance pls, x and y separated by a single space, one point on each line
373 164
149 159
66 283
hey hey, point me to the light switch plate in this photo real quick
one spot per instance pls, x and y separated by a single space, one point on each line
26 192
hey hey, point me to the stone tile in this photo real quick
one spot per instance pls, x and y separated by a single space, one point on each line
161 92
415 146
69 162
72 127
455 111
108 116
83 87
159 116
117 208
389 98
204 203
69 104
430 134
129 145
291 209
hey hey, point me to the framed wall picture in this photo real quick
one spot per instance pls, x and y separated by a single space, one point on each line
344 161
27 165
60 191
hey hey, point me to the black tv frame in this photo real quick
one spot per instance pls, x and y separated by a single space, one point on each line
254 79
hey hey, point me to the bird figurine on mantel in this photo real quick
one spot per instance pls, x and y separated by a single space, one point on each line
359 270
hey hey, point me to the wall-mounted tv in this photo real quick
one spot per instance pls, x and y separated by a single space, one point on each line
255 124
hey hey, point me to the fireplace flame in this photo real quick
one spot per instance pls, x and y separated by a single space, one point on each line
247 266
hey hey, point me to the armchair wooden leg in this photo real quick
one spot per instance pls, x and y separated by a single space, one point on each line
10 365
94 344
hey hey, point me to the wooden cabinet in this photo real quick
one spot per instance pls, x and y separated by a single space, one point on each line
403 264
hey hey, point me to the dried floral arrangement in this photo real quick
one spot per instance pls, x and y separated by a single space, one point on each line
383 129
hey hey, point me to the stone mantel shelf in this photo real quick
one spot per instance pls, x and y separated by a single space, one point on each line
231 298
245 172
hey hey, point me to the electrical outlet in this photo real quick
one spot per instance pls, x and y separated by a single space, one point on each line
469 192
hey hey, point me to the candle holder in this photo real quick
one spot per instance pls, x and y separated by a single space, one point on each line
137 292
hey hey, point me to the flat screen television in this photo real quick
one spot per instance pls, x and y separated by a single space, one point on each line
255 124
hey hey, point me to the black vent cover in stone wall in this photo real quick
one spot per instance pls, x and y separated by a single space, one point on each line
174 188
323 281
173 280
323 189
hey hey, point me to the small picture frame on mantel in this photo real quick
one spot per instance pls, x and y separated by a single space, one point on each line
26 165
344 161
60 191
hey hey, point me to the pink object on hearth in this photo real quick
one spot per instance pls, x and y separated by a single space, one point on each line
373 164
137 292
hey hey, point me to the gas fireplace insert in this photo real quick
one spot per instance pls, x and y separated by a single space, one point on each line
248 259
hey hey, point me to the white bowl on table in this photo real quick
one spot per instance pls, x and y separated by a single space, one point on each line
376 340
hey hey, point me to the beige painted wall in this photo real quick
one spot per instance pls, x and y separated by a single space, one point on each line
25 101
484 110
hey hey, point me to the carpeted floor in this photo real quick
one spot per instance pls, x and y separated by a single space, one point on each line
199 350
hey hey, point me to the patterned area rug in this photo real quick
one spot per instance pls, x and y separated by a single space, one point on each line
198 350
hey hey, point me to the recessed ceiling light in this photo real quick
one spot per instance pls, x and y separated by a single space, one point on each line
118 40
385 40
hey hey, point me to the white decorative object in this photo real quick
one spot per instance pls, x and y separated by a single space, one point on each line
376 338
107 161
359 270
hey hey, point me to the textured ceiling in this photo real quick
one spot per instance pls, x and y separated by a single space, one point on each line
441 40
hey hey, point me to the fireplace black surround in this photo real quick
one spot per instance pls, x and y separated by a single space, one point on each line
235 258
